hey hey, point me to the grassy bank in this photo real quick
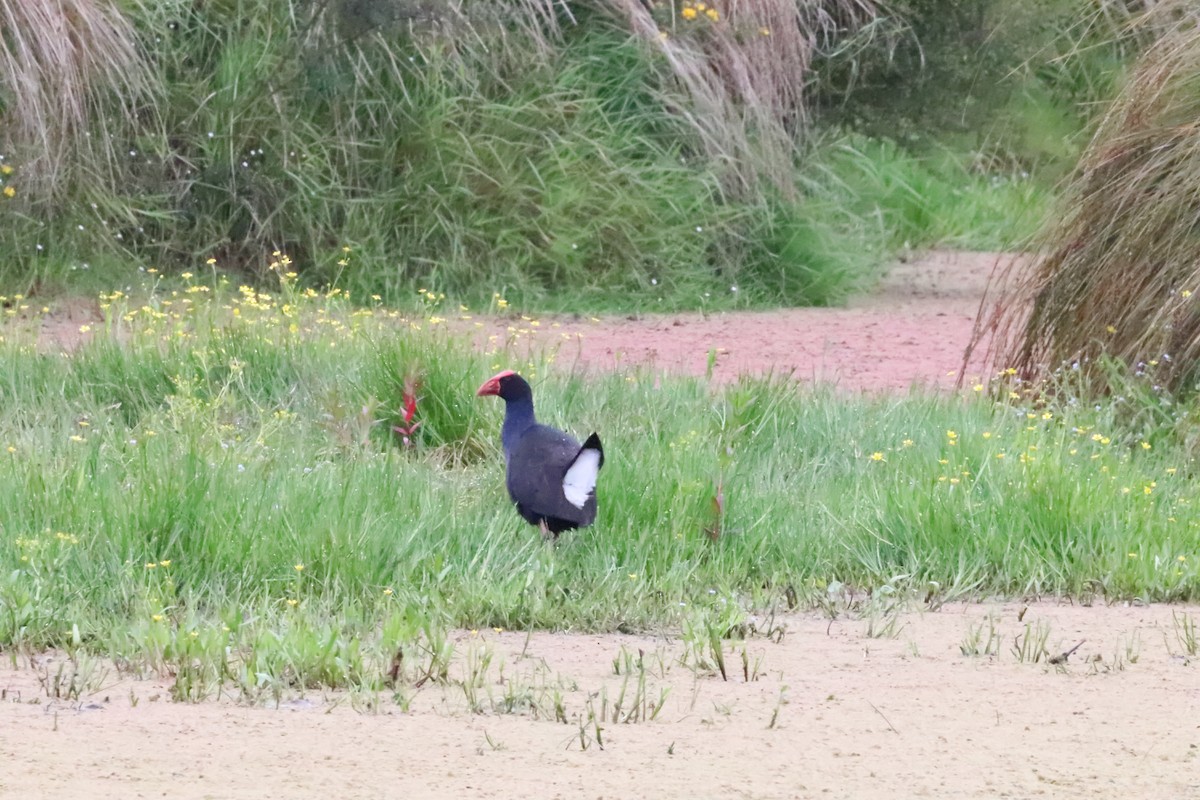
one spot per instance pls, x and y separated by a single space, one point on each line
566 162
218 469
862 202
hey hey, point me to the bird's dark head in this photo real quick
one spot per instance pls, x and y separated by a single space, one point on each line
506 385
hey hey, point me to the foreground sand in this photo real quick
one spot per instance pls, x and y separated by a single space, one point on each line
902 715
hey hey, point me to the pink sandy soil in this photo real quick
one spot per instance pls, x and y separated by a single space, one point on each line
910 330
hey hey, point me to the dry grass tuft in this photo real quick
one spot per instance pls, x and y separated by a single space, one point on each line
61 64
745 71
1117 275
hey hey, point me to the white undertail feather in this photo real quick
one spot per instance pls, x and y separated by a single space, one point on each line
580 481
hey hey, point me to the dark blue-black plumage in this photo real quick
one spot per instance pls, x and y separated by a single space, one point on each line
550 476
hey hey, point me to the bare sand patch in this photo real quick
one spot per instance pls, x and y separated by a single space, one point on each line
910 330
907 715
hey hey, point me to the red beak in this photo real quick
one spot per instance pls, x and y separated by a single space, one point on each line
492 385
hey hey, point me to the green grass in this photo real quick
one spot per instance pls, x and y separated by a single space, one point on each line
197 479
911 201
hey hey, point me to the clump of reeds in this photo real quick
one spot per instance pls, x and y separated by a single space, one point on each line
1116 276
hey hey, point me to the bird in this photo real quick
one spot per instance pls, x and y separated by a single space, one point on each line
550 476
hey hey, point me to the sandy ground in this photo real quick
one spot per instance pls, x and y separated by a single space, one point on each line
911 330
904 715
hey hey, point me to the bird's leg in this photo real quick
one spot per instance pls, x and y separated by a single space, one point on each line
547 536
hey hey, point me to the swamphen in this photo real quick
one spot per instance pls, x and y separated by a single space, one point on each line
550 476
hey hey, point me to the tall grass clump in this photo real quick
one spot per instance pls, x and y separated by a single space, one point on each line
743 67
1116 272
72 78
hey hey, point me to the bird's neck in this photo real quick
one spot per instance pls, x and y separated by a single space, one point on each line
518 418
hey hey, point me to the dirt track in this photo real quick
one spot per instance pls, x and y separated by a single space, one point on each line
911 330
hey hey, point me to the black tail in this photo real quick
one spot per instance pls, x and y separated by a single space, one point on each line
593 443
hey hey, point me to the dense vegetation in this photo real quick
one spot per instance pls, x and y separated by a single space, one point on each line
563 152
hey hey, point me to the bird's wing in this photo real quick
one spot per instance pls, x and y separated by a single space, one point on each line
579 481
536 468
